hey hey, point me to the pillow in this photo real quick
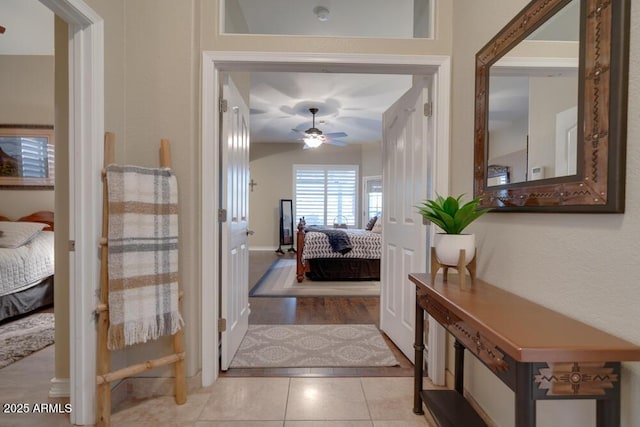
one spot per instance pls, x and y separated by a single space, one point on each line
16 234
371 223
377 227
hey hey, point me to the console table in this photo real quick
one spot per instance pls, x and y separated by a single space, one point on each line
537 352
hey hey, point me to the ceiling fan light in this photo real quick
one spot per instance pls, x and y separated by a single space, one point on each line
313 131
313 141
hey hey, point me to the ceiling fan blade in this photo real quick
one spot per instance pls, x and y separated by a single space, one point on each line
336 134
335 142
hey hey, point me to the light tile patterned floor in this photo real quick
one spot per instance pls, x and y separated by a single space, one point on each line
231 402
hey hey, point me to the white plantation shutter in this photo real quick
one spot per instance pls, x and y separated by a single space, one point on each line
326 192
35 157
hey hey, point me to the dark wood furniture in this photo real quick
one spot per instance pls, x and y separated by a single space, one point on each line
328 269
537 352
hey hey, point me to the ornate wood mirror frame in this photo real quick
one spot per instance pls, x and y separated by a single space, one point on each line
599 184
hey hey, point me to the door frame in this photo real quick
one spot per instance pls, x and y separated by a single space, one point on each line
215 62
86 132
365 200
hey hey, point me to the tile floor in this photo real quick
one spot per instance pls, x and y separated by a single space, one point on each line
239 401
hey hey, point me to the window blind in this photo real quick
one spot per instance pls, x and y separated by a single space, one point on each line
325 194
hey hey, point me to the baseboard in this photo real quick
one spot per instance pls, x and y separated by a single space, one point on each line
485 417
148 387
262 248
450 381
60 388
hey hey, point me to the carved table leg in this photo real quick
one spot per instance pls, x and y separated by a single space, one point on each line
419 352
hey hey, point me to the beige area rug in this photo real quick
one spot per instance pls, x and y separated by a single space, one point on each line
24 336
280 281
313 346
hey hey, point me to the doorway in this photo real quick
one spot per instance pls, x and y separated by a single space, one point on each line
216 62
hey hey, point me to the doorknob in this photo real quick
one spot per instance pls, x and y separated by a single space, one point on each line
250 232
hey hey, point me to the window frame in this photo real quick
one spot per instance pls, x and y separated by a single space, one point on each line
353 219
34 131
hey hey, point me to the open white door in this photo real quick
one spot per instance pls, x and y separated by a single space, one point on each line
234 250
566 142
404 174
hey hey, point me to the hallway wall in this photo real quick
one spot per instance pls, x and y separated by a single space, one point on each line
582 265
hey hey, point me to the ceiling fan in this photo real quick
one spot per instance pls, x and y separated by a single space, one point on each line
313 137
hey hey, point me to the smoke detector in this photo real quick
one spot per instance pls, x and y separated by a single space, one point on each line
322 13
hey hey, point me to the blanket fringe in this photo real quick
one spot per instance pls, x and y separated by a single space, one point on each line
143 330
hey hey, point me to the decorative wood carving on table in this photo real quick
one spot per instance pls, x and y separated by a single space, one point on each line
576 379
538 353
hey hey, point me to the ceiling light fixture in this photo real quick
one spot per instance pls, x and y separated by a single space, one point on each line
322 13
313 141
313 136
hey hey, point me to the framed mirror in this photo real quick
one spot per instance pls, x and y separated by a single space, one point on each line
286 225
551 109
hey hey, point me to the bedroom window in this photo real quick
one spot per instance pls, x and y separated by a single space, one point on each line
326 193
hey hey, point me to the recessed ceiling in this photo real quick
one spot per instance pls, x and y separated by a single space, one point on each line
353 18
349 103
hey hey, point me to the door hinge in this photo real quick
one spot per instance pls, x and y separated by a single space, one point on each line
222 215
222 325
428 109
223 105
72 245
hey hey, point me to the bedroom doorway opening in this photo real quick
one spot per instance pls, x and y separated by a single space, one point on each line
217 62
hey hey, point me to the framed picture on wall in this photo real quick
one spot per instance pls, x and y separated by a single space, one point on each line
26 156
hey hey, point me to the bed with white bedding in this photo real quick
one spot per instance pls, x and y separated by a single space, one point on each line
325 254
26 264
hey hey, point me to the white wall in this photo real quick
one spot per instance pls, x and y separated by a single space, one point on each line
271 167
26 88
548 96
583 265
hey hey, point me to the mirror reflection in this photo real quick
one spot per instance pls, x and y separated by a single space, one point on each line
532 130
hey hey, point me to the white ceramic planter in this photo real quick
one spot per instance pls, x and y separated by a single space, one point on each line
448 247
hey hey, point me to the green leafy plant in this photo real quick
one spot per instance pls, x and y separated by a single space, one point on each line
450 214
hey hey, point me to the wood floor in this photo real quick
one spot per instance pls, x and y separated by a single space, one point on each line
314 310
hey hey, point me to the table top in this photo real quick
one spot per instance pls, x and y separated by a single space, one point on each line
527 331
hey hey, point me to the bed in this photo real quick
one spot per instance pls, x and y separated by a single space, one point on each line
338 254
26 264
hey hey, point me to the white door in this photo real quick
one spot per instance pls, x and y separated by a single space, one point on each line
567 142
404 174
234 250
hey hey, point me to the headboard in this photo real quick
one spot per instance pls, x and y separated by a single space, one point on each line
40 216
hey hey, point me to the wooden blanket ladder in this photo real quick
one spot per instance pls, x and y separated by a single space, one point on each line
103 366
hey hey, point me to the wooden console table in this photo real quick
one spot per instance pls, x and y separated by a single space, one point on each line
538 353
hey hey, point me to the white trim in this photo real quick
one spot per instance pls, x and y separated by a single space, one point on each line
209 225
436 356
86 130
262 249
213 63
536 62
60 388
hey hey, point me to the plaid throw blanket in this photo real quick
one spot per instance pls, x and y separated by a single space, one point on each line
143 254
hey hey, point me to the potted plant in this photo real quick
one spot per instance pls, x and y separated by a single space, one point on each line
452 216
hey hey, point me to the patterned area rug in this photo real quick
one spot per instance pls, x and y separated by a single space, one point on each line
24 336
313 346
280 281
